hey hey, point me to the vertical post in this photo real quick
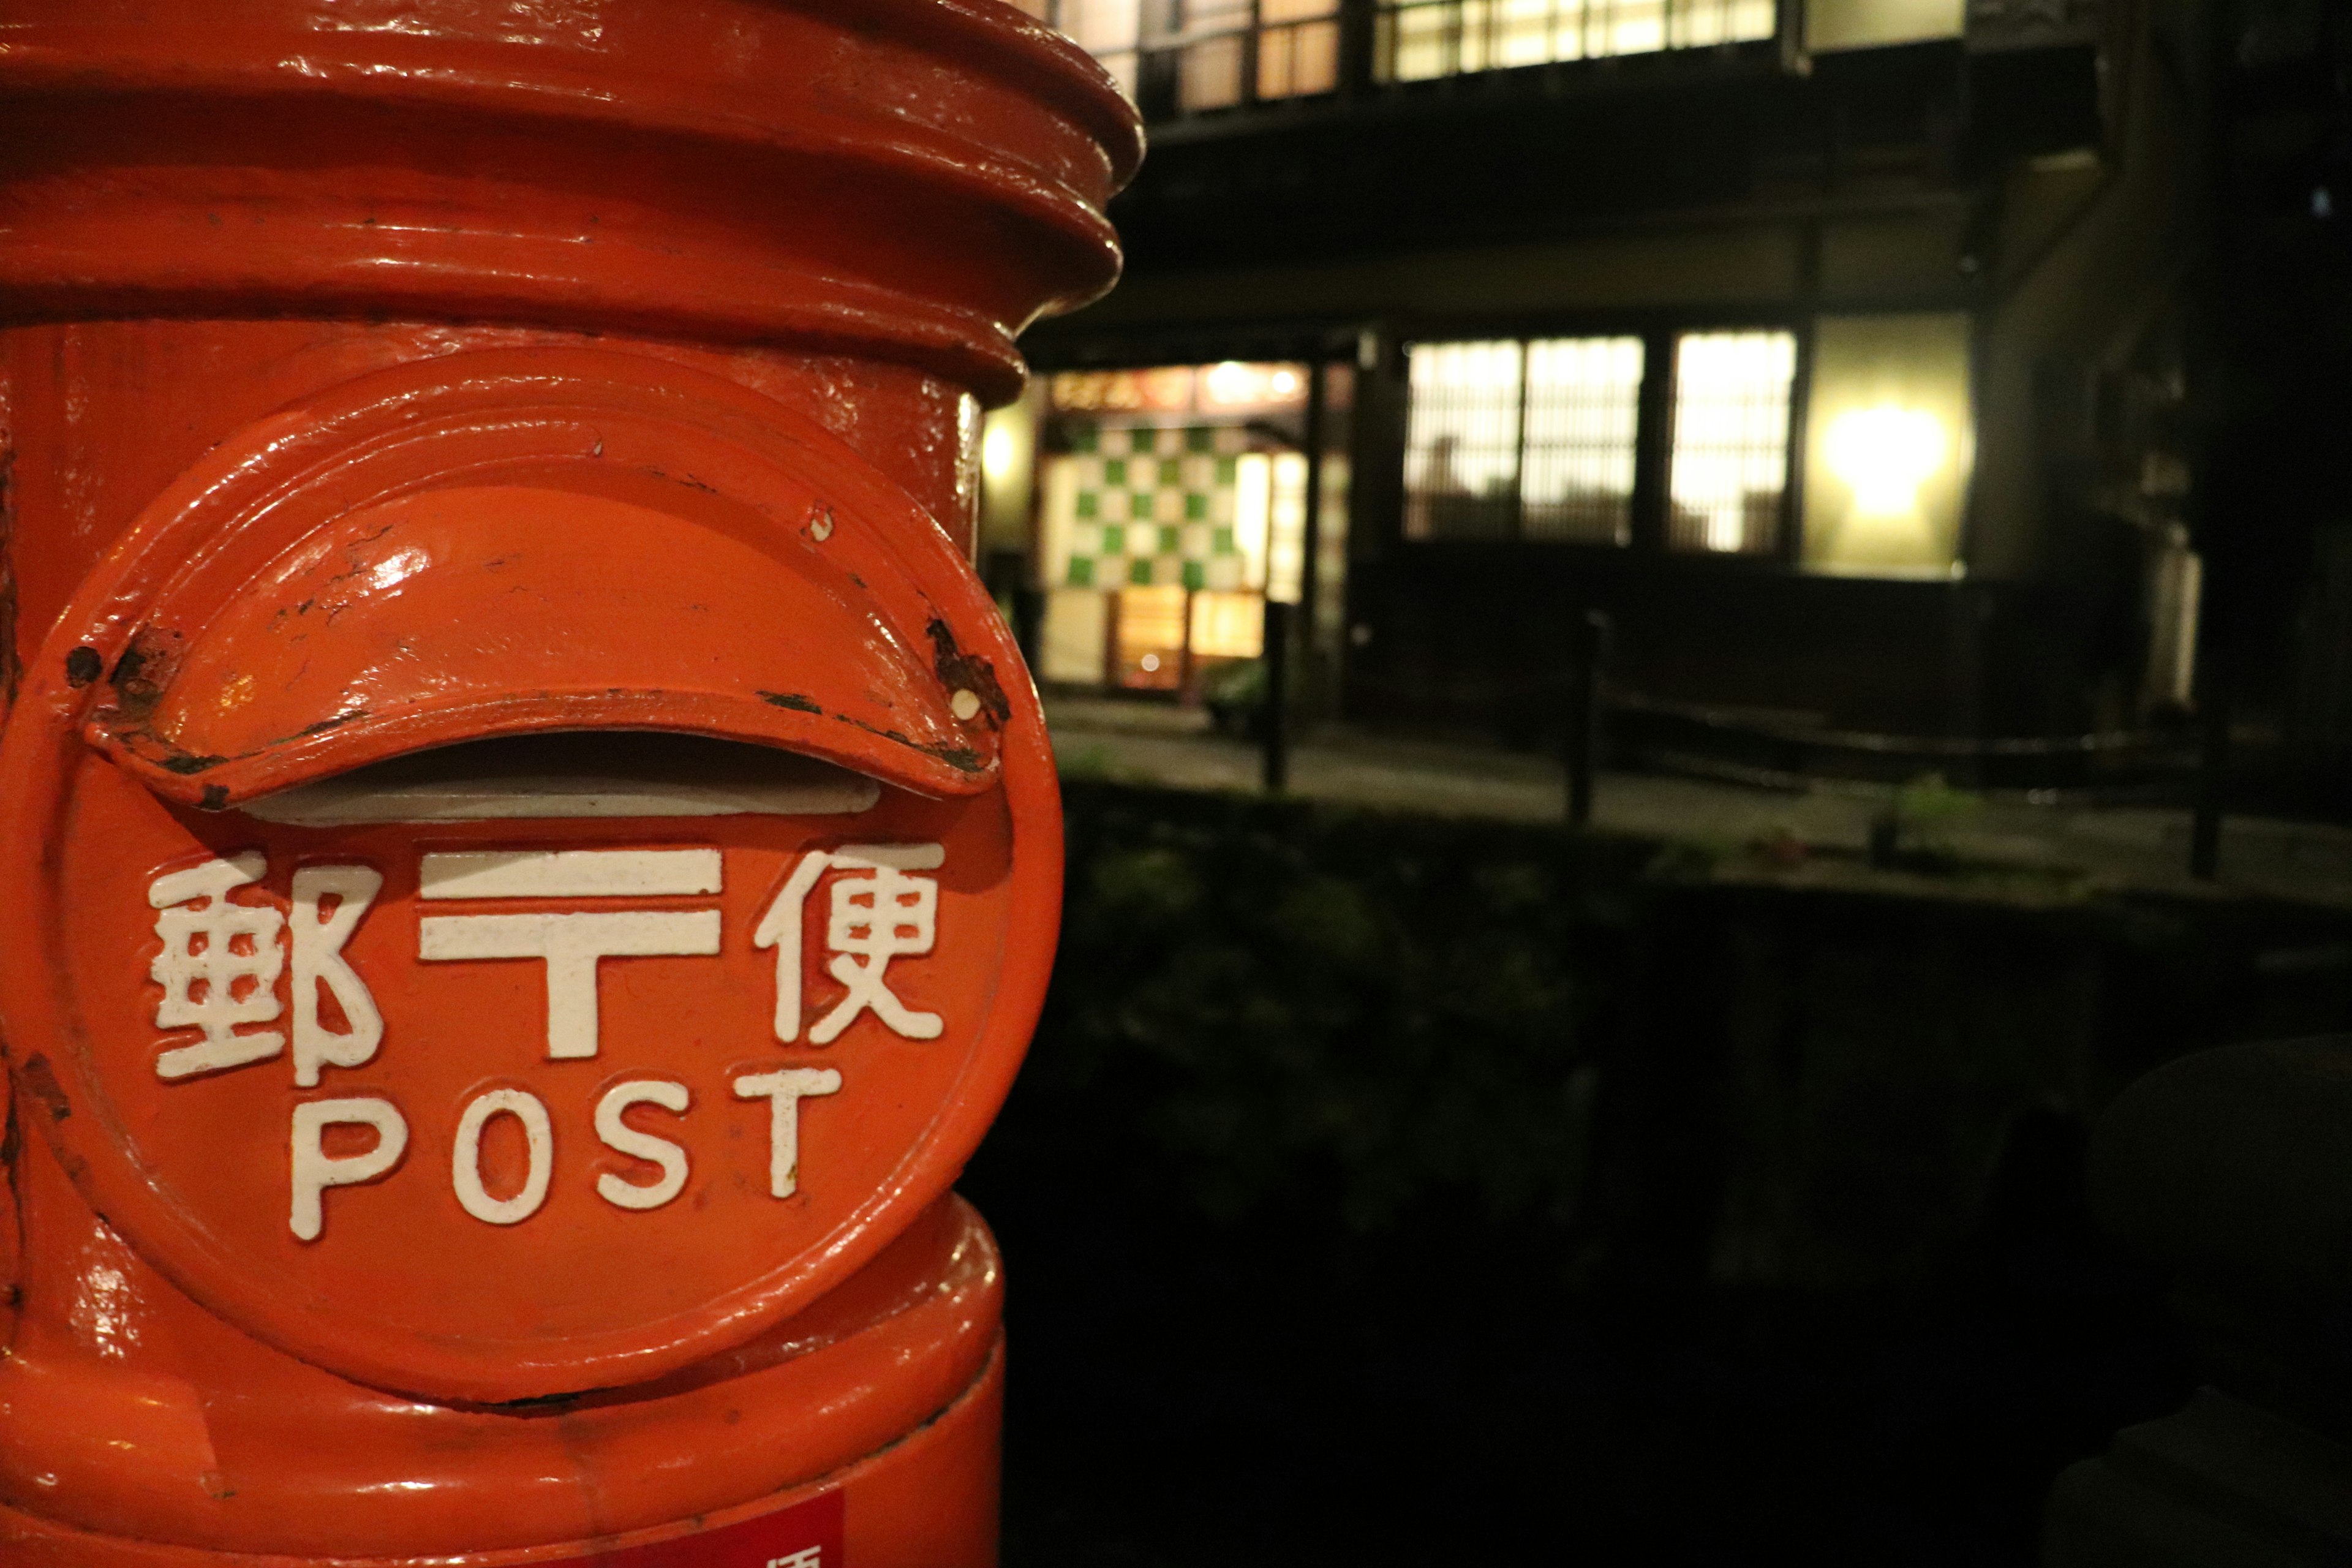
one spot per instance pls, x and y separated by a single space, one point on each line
1584 714
2212 769
1310 537
1358 30
1114 674
1650 526
1252 52
1275 717
1188 685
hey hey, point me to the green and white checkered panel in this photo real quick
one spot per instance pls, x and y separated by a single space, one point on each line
1157 506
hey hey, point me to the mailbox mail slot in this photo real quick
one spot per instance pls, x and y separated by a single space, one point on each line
529 860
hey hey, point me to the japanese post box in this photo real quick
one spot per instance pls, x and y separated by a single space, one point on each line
529 861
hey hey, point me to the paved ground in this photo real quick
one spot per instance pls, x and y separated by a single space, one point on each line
2135 846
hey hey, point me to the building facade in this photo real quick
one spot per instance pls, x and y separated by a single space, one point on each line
1831 348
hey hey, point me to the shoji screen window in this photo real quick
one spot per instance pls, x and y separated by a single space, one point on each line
1416 40
1297 47
1730 455
1462 441
1236 51
1576 449
1523 439
1110 30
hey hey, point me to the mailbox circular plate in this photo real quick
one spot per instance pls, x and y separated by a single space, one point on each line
494 1089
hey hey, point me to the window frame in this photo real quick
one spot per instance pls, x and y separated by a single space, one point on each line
1387 32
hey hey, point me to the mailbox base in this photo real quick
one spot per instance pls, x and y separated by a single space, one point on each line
928 1500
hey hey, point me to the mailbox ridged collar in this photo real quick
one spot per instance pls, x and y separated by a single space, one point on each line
643 166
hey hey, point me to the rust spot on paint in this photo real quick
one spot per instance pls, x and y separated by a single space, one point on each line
41 1083
216 798
961 671
790 700
139 679
144 670
83 665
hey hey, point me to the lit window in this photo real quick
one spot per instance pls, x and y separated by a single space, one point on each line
1209 66
1221 52
1462 441
1110 30
1731 441
1529 440
1421 39
1150 651
1584 397
1297 47
1888 450
1228 625
1232 51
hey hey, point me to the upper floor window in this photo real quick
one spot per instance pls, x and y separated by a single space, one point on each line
1416 40
1110 30
1235 51
1205 54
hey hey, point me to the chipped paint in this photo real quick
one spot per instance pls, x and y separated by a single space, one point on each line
144 670
790 700
41 1083
963 759
960 672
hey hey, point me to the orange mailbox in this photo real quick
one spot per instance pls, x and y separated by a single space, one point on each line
528 860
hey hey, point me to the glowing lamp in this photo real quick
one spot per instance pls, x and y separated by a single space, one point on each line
1884 454
996 453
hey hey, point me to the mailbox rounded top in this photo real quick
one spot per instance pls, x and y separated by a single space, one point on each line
915 179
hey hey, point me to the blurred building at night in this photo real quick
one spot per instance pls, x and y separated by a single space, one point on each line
1833 348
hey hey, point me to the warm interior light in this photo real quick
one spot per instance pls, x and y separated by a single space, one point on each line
996 452
1884 454
1229 383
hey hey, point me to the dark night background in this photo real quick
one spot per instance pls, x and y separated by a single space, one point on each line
1394 1185
1382 1185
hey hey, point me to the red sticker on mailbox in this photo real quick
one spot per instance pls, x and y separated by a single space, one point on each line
807 1536
547 1061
